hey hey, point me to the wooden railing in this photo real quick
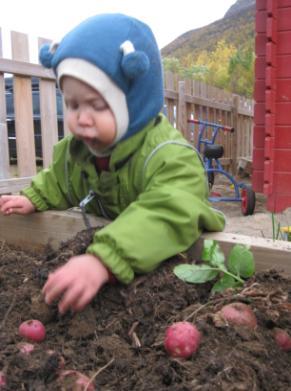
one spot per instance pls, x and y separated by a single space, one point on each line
183 100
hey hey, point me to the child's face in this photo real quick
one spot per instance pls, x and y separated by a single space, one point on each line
88 115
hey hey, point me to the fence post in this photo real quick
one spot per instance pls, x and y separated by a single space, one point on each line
24 127
234 158
4 154
48 115
182 109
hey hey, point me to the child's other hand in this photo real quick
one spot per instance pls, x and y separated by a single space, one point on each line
76 283
17 204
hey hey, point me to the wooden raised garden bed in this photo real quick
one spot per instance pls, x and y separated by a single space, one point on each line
117 341
53 227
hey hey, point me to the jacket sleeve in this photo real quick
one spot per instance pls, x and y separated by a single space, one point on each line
48 189
166 218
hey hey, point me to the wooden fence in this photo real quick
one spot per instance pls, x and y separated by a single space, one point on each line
183 100
194 99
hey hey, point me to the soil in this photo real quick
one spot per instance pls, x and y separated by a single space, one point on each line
117 341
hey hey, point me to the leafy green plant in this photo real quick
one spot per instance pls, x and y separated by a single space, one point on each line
276 228
279 232
228 274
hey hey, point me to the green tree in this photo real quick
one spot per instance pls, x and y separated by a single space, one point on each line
172 64
241 72
191 71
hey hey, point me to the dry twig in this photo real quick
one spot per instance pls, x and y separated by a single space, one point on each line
210 302
132 334
7 312
132 329
98 373
136 340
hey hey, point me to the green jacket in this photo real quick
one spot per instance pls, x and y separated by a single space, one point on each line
155 192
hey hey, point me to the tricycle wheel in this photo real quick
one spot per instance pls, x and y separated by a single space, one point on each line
248 200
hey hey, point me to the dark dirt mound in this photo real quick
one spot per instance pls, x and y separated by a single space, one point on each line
118 340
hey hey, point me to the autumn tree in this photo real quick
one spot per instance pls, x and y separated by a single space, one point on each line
217 64
225 67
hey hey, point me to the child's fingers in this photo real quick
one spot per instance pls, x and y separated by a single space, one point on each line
15 204
82 301
6 208
14 210
9 202
5 198
54 287
3 202
70 297
9 207
7 211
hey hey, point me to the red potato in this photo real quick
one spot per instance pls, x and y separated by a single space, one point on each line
2 380
182 339
75 380
282 339
238 314
33 330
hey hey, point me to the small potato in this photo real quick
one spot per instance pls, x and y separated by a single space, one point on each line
182 339
33 330
237 314
74 380
282 339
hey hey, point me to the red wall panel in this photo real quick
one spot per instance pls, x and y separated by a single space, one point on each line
272 118
281 3
284 66
284 43
284 17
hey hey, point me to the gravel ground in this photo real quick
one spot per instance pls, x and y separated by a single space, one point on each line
259 224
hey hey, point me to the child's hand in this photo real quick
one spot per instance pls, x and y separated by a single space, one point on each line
76 283
17 204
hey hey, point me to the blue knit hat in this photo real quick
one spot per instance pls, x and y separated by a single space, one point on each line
118 56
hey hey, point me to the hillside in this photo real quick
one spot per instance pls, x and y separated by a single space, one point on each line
236 27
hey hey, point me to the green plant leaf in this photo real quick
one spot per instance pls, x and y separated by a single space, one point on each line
196 274
207 250
225 282
241 261
212 253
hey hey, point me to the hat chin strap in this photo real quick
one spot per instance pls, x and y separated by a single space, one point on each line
103 153
99 80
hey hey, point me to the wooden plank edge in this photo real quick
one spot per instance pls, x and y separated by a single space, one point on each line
23 68
40 229
54 227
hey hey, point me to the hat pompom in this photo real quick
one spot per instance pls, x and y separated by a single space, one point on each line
135 64
46 55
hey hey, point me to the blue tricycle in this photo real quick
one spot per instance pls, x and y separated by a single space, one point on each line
211 153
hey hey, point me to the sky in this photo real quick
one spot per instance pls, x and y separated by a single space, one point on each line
168 19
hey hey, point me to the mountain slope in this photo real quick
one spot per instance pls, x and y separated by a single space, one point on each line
236 27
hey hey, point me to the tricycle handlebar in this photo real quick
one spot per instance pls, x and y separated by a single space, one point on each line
201 122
